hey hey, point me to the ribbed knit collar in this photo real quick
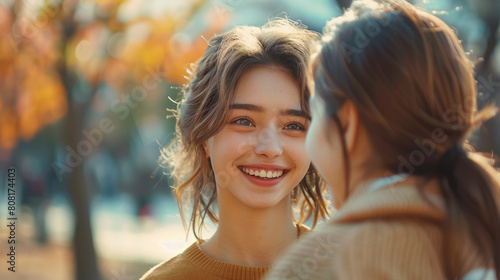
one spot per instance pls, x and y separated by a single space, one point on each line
228 270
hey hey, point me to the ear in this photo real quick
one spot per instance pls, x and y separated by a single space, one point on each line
349 118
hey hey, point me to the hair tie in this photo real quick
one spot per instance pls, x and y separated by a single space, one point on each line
448 161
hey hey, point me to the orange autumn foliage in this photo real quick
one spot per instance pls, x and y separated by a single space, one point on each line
32 95
33 50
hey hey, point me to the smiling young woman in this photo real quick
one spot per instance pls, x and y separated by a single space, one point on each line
266 129
241 130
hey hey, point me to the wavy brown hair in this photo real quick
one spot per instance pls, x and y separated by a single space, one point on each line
409 78
204 109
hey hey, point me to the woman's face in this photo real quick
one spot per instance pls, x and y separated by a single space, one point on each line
323 147
259 155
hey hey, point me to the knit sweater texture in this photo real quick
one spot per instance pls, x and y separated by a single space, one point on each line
194 264
389 233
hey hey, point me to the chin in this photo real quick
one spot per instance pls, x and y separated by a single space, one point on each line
262 202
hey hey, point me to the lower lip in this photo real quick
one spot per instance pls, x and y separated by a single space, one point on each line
263 182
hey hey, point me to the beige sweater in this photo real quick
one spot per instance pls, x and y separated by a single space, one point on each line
194 264
388 233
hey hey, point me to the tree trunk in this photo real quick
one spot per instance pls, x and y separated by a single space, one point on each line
83 246
85 256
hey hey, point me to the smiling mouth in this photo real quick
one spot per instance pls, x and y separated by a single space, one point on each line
263 173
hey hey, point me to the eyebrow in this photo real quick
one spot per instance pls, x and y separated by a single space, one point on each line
260 109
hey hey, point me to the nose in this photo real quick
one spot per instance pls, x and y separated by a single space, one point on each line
269 143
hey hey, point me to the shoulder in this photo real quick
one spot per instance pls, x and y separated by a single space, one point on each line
311 257
376 249
392 232
399 248
176 268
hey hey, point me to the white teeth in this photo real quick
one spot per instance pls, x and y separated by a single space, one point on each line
263 173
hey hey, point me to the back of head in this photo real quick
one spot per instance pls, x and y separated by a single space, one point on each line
414 88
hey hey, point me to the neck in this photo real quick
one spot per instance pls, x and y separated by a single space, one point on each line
362 176
250 236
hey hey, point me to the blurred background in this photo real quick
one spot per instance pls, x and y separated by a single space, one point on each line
84 92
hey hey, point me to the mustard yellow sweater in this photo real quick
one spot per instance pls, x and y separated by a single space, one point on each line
388 233
193 264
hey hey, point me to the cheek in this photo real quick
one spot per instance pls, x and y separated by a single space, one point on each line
322 152
224 149
313 141
298 153
309 142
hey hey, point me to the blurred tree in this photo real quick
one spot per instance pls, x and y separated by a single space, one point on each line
489 12
27 57
487 74
343 4
56 55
